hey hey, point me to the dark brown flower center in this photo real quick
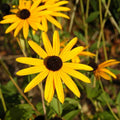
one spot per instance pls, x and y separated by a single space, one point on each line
93 65
53 63
23 14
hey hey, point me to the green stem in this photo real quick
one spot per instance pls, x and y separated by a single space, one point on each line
42 97
18 88
84 22
58 104
73 15
3 101
101 85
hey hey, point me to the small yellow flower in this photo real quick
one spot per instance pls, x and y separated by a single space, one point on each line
25 15
101 70
53 8
54 66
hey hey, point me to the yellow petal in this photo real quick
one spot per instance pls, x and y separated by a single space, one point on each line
49 87
106 62
60 9
57 14
59 87
54 21
31 70
71 54
77 66
36 81
104 75
44 24
56 43
18 28
85 53
13 16
76 74
109 72
9 20
37 49
12 27
30 61
60 3
47 44
76 59
25 29
68 47
35 4
69 83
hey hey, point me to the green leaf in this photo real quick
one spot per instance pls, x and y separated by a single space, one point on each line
92 16
56 105
9 88
118 104
92 92
19 112
104 116
71 115
105 97
79 35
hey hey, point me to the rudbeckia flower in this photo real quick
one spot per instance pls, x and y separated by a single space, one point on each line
101 70
55 66
53 8
26 15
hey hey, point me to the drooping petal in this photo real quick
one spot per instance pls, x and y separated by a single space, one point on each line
25 29
49 87
53 21
18 28
71 54
47 44
104 75
30 61
58 86
37 49
56 43
76 74
36 80
69 83
77 66
12 27
31 70
44 24
68 47
108 72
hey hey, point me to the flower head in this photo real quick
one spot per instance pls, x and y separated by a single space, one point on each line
54 66
53 9
25 15
101 70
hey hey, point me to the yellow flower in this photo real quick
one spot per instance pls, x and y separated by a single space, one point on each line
101 70
25 15
54 66
76 59
53 8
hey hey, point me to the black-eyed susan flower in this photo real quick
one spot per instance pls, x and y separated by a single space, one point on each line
54 66
26 15
53 9
101 70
